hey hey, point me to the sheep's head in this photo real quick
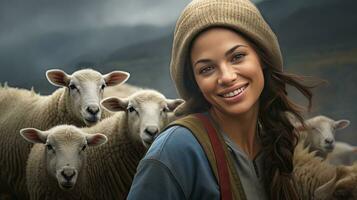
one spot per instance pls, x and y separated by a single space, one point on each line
343 186
85 89
147 112
321 132
65 151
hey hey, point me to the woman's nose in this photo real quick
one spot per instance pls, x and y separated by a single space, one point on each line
227 75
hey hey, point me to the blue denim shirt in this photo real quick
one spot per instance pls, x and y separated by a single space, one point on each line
176 167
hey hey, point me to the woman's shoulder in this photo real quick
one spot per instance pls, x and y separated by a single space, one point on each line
176 140
179 160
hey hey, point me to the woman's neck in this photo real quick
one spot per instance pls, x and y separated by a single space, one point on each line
241 129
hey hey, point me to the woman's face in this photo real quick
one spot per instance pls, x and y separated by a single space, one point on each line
227 71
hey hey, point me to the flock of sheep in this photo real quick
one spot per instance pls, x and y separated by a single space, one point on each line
65 146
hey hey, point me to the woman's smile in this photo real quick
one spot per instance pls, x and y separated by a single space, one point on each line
234 91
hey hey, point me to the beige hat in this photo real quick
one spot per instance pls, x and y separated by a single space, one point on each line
239 15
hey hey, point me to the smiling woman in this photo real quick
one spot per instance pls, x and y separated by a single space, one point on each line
227 65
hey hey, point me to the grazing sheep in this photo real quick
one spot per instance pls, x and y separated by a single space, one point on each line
343 154
111 167
77 103
316 179
320 131
57 158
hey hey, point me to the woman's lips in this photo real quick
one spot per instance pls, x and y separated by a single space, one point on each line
235 92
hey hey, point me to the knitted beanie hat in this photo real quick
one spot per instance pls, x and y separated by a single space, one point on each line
199 15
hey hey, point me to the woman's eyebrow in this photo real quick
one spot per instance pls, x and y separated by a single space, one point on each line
230 51
202 61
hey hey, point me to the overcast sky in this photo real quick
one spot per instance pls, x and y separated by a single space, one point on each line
23 18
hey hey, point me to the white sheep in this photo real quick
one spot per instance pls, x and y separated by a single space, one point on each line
316 179
62 153
111 167
343 154
320 131
125 90
76 102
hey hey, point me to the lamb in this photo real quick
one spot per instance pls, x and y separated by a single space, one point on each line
320 131
63 150
316 179
77 103
111 167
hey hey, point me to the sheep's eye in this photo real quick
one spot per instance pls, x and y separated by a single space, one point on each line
165 109
49 147
102 87
72 87
84 147
131 109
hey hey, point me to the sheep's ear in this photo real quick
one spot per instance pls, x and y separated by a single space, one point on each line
172 104
293 119
96 139
341 124
115 104
58 77
296 122
325 191
34 135
116 77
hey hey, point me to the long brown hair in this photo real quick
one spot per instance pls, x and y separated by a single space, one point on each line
279 138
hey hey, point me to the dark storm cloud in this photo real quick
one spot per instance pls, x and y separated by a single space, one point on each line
23 18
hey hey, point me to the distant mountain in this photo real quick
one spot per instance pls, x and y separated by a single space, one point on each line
148 63
330 26
162 48
67 50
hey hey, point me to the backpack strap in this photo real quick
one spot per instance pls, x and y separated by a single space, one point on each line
222 168
221 161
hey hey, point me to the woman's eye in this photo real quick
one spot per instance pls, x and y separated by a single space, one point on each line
237 57
206 69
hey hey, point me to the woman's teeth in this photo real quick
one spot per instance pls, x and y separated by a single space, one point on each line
235 92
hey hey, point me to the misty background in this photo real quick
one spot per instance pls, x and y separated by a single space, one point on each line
318 38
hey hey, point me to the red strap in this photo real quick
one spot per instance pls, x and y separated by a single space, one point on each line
221 161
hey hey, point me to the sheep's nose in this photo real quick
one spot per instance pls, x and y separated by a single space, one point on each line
151 130
329 140
93 109
68 174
